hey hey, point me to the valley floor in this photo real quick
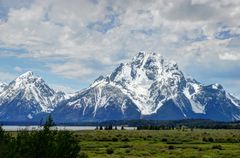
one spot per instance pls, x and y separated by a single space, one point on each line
160 144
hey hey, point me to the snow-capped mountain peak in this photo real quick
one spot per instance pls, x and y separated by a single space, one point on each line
31 93
28 78
146 87
145 78
157 89
140 77
26 74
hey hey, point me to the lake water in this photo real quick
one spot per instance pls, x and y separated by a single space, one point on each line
70 128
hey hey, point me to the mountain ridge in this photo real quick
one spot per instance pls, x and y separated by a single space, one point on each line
158 89
146 87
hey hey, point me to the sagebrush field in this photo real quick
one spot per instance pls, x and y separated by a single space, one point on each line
197 143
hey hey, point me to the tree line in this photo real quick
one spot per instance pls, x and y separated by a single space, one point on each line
161 124
181 124
169 124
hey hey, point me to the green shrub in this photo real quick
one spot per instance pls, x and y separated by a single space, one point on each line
5 142
114 139
204 139
109 150
83 155
171 147
219 147
127 151
164 140
125 139
210 139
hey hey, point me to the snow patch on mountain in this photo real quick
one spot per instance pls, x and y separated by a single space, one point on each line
193 88
234 100
3 86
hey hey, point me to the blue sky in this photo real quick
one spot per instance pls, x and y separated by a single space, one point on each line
70 42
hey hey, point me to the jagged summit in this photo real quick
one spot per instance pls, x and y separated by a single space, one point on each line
32 84
151 87
26 74
140 77
144 65
29 76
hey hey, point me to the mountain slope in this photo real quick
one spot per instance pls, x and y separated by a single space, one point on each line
153 88
99 103
26 98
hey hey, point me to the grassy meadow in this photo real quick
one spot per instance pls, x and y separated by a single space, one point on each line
197 143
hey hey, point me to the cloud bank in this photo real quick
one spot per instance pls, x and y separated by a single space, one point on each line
82 39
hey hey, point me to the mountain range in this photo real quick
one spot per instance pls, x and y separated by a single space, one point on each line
147 87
